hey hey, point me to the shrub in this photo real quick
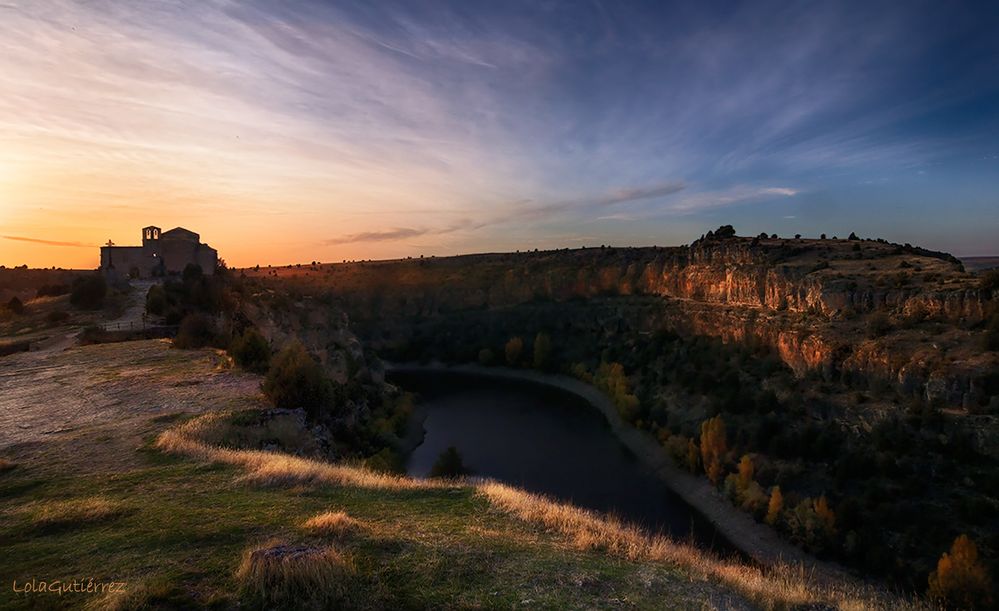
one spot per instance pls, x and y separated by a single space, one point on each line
960 578
878 325
156 300
385 460
15 306
88 292
277 576
513 349
196 331
251 351
448 464
486 356
296 380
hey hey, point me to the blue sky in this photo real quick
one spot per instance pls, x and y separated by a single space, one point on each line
321 130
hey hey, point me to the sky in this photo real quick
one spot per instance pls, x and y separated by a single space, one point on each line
296 131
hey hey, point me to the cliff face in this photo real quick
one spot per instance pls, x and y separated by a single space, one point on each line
813 301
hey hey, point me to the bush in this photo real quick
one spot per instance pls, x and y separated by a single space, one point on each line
251 351
448 464
196 331
486 356
88 292
156 300
296 380
878 325
15 306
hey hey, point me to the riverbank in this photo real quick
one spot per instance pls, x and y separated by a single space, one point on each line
756 540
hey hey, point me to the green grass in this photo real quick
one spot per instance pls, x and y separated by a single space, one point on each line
188 524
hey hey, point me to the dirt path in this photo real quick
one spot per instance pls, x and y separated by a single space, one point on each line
757 540
134 316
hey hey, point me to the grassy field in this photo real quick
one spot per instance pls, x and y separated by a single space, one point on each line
177 531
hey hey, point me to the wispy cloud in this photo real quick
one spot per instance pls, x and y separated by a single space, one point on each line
331 117
46 242
729 197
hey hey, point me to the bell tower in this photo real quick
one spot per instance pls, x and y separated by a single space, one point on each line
150 234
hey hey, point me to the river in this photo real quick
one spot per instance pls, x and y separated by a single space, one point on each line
544 439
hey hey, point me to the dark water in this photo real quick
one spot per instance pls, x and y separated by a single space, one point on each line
546 440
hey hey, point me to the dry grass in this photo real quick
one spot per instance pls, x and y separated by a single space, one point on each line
780 586
332 523
75 512
280 575
275 468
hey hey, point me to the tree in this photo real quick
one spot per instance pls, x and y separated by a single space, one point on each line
693 456
251 351
725 231
745 472
852 236
713 447
542 350
156 300
775 506
513 349
192 273
296 380
88 292
826 516
448 464
196 331
961 578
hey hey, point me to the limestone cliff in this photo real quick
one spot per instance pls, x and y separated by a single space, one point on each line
813 301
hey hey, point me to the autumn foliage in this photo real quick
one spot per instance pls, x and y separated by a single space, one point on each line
960 578
775 506
713 447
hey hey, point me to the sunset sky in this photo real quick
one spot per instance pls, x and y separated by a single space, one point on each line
292 131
